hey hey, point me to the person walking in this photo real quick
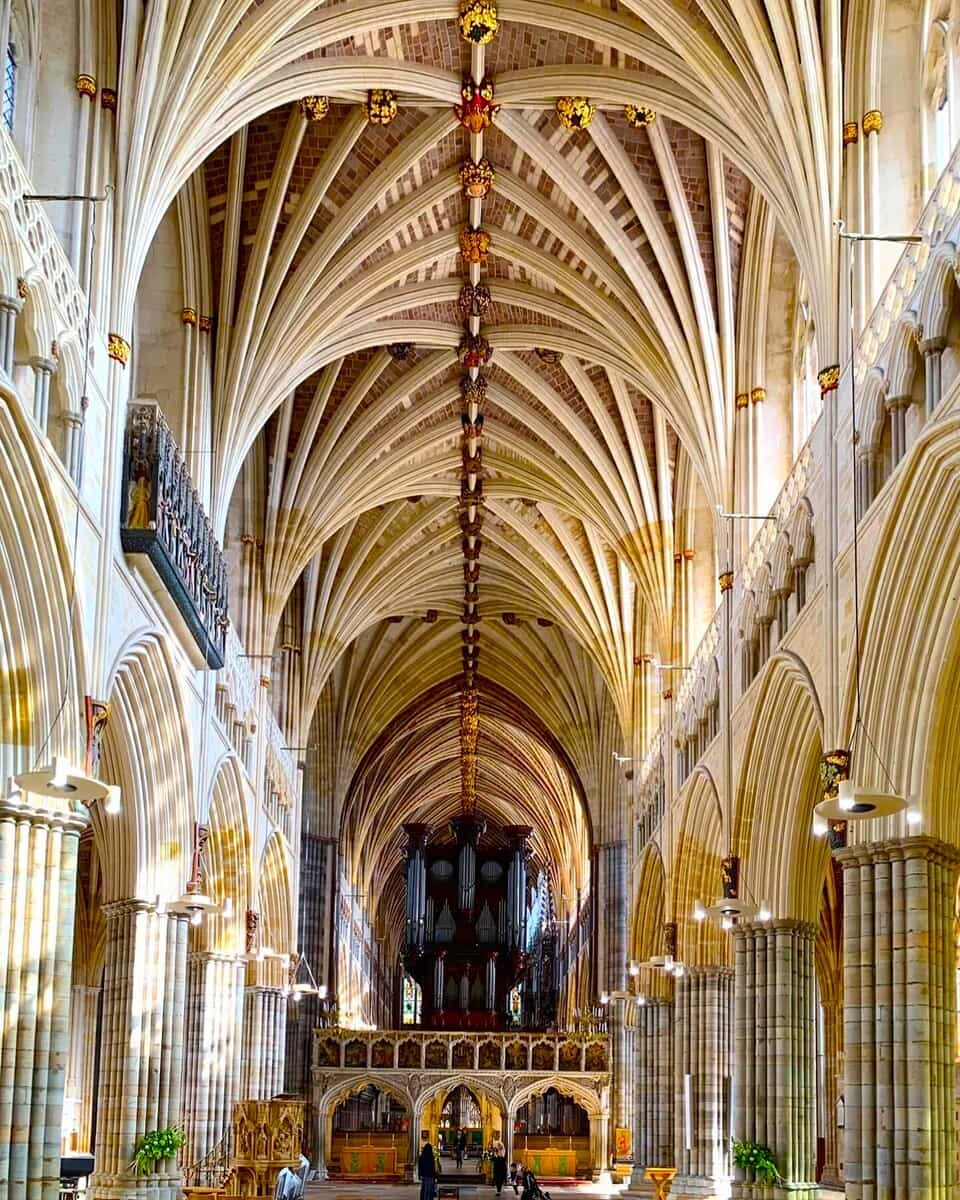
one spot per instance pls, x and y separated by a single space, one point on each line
498 1153
460 1145
427 1168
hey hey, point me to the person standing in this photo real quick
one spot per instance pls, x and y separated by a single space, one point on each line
460 1145
498 1153
427 1168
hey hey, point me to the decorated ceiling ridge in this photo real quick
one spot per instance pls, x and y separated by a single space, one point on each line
548 615
627 297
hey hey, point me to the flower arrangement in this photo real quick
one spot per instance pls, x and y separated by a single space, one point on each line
156 1146
752 1156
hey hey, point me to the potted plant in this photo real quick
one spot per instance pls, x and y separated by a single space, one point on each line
754 1157
155 1146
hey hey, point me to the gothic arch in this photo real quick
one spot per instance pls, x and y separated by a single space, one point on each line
147 849
275 903
908 636
40 647
228 858
777 790
595 1101
697 852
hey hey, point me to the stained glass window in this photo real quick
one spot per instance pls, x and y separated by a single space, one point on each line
412 998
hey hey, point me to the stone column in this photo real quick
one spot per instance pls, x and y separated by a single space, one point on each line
264 1042
623 1059
317 883
38 879
832 1086
900 1010
612 903
599 1154
78 1107
72 433
653 1144
932 350
703 1051
775 1051
897 408
43 369
10 308
142 1044
212 1072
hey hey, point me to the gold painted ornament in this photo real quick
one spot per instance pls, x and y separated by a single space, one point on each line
478 21
474 245
476 109
476 178
314 108
474 391
575 112
118 348
829 379
382 106
639 116
86 85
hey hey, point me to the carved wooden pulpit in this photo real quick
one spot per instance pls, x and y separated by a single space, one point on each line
267 1136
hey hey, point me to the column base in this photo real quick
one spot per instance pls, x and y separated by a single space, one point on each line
639 1185
124 1187
774 1191
699 1187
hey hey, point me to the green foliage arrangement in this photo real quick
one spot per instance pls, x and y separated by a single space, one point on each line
156 1146
751 1156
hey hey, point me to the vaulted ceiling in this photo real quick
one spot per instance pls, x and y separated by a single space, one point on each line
614 268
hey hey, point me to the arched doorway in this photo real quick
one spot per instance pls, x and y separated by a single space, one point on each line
551 1136
369 1135
439 1105
461 1110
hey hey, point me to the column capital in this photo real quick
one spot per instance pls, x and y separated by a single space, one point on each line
116 909
707 972
202 956
41 363
802 929
893 403
898 849
19 808
934 345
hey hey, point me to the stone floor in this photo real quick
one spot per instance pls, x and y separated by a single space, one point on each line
368 1191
